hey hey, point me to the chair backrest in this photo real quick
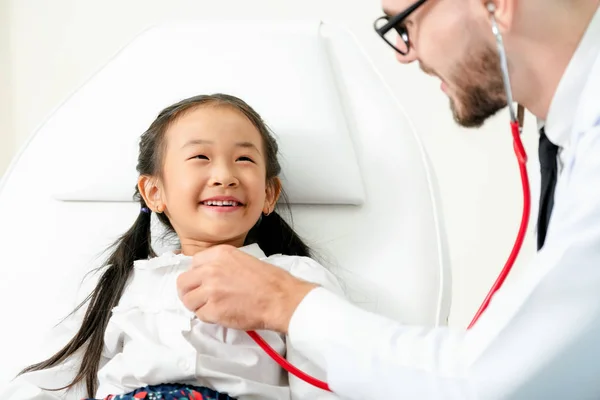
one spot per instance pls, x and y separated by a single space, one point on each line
362 189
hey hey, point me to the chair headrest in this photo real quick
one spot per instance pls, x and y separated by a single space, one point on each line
119 103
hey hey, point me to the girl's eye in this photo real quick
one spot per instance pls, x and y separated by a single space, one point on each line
245 159
201 157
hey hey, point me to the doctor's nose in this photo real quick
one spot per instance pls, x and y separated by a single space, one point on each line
406 59
404 43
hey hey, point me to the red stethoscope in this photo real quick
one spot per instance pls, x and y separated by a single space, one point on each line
515 127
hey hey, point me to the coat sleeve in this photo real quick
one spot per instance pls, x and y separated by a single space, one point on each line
310 270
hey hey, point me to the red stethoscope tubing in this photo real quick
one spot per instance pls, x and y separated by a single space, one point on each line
285 364
522 160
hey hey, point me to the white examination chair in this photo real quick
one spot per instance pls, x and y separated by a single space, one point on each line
363 192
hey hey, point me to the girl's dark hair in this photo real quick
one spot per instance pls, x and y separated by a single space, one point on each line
271 233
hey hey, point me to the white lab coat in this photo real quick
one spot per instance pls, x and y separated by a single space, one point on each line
152 338
539 338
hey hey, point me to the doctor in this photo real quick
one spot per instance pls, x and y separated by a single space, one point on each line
540 338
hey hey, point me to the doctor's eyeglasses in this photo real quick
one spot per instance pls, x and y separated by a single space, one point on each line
393 30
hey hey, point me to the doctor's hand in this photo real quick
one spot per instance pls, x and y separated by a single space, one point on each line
231 288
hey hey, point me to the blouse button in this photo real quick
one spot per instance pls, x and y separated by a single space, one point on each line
185 365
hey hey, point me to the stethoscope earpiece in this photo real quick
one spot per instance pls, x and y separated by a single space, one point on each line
503 63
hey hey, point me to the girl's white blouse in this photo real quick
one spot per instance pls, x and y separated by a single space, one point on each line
152 338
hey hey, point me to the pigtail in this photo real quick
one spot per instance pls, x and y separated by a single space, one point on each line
275 236
135 244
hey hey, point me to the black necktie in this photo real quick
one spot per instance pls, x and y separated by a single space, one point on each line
549 170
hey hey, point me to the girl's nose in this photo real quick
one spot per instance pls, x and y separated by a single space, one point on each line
223 176
227 182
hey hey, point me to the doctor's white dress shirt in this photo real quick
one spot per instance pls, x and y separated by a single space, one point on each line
538 339
152 338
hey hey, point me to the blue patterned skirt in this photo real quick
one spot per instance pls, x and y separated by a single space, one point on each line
171 392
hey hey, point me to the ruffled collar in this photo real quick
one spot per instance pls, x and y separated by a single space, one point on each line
174 258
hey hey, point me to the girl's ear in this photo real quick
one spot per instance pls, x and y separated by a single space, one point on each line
273 192
151 192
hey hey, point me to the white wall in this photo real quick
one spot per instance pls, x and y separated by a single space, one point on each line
7 135
56 45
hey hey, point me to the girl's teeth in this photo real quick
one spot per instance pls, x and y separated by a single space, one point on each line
221 203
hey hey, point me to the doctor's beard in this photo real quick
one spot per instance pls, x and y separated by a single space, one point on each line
479 88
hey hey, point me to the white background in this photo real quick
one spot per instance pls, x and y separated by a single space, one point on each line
49 48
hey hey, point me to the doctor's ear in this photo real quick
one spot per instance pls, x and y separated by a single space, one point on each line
503 11
151 191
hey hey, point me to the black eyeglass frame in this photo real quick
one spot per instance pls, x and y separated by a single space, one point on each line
396 22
